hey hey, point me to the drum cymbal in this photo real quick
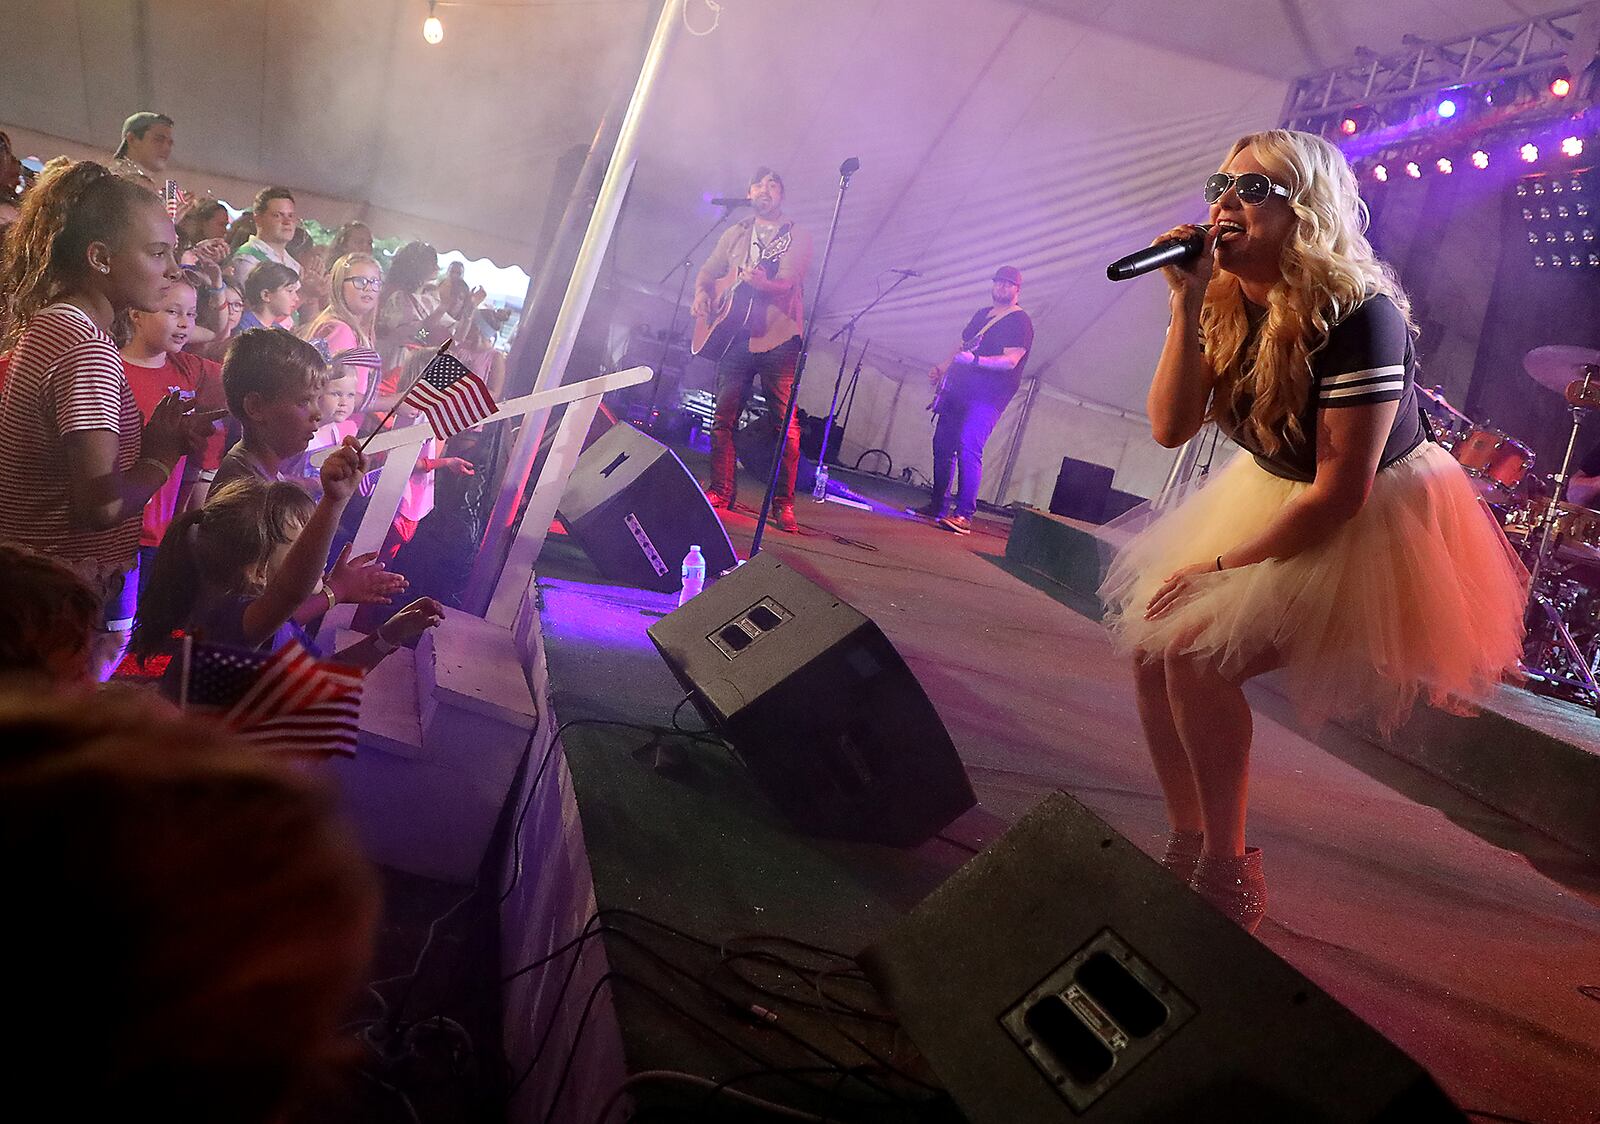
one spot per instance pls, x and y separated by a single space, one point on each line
1557 365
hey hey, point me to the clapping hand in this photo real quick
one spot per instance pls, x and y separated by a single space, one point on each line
177 428
362 580
411 622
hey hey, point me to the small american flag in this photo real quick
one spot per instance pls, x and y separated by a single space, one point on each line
351 356
358 357
286 701
451 396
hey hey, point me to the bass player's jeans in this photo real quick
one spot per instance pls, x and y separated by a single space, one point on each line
959 436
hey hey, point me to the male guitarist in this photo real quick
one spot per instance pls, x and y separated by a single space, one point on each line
769 254
973 389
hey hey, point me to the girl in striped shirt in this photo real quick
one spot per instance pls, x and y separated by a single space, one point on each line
77 463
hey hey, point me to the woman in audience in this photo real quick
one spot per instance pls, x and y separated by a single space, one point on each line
270 297
246 570
77 462
190 919
352 238
206 221
408 316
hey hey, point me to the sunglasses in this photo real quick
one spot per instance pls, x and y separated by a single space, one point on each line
1253 187
364 283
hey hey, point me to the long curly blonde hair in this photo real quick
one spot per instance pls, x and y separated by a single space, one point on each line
1328 269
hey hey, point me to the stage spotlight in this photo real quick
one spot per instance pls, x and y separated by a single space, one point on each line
1561 87
1538 261
1480 159
1447 108
1445 166
1348 126
432 29
1529 152
1413 169
1380 173
1572 146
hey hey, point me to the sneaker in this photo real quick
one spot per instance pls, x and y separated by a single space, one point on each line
784 514
960 524
926 511
717 499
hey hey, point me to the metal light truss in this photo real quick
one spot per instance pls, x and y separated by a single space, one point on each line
1508 51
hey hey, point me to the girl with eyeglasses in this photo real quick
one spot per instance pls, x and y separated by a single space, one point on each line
355 286
1345 548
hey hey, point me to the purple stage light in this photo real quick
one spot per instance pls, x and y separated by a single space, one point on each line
1572 146
1480 159
1447 108
1348 126
1380 173
1529 152
1445 166
1560 88
1414 170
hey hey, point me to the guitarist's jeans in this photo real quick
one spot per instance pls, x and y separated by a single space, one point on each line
958 438
734 372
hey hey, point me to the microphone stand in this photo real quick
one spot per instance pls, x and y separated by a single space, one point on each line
846 170
685 263
848 329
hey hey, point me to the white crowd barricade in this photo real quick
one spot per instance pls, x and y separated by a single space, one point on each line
404 446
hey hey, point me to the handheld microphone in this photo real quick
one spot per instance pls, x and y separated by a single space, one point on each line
728 201
907 272
1154 257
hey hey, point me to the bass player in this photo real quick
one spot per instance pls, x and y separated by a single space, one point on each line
763 258
972 391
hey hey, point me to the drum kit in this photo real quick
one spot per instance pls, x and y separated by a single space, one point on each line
1558 540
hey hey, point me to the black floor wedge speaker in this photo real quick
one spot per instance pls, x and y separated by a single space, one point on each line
818 704
1063 975
636 511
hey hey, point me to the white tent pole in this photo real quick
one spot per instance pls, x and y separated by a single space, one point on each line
497 540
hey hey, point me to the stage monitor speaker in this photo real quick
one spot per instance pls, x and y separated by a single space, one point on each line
1082 489
636 511
819 705
1063 975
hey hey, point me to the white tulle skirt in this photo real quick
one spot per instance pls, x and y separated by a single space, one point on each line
1419 594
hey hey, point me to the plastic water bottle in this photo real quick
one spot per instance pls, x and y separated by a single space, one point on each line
819 490
694 575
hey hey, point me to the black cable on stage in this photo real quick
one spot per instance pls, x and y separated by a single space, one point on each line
766 1020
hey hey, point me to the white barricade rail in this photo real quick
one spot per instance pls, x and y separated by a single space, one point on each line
404 446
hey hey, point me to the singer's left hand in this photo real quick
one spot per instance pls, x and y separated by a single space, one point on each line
1175 590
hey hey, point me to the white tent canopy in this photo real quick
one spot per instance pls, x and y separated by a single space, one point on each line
1048 134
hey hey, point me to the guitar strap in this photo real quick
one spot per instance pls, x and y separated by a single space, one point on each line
983 331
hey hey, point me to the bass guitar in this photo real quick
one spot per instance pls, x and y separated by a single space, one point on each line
732 303
941 373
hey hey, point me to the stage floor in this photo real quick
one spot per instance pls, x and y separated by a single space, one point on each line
1470 940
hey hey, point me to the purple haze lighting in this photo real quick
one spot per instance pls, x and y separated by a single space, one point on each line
1447 108
1480 159
1529 152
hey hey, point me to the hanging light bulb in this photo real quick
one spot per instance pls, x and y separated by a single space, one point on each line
432 29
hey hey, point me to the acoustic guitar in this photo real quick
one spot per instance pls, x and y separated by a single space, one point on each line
732 303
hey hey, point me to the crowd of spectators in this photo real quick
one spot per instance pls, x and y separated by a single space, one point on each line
163 388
